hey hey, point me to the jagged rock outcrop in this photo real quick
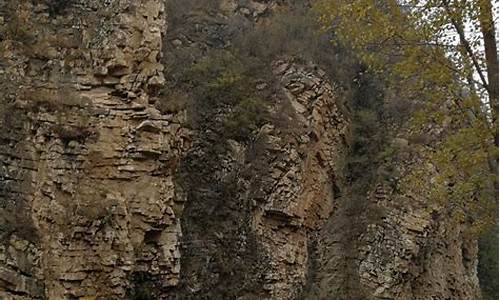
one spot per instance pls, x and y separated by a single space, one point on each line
249 214
105 195
87 160
395 249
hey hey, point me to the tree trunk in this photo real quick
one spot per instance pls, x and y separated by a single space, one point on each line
490 49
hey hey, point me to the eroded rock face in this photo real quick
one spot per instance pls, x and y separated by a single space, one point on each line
413 255
303 192
395 249
103 195
251 209
89 165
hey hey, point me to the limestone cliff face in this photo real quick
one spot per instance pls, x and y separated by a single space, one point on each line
104 195
87 160
395 249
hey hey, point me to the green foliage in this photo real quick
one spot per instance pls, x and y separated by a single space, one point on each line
226 81
437 75
221 81
219 73
218 78
458 131
293 30
247 116
369 135
18 25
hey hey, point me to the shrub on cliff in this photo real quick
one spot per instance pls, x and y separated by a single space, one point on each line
294 31
247 116
222 82
57 7
17 27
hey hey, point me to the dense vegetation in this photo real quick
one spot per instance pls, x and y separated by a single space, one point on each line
451 73
233 56
395 67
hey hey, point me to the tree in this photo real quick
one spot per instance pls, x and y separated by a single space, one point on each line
443 52
442 55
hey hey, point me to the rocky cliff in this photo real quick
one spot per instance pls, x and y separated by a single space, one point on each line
117 184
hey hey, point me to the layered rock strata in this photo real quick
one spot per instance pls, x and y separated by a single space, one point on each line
105 196
87 162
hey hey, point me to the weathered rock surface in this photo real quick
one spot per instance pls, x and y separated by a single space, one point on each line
87 161
395 249
250 210
103 195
